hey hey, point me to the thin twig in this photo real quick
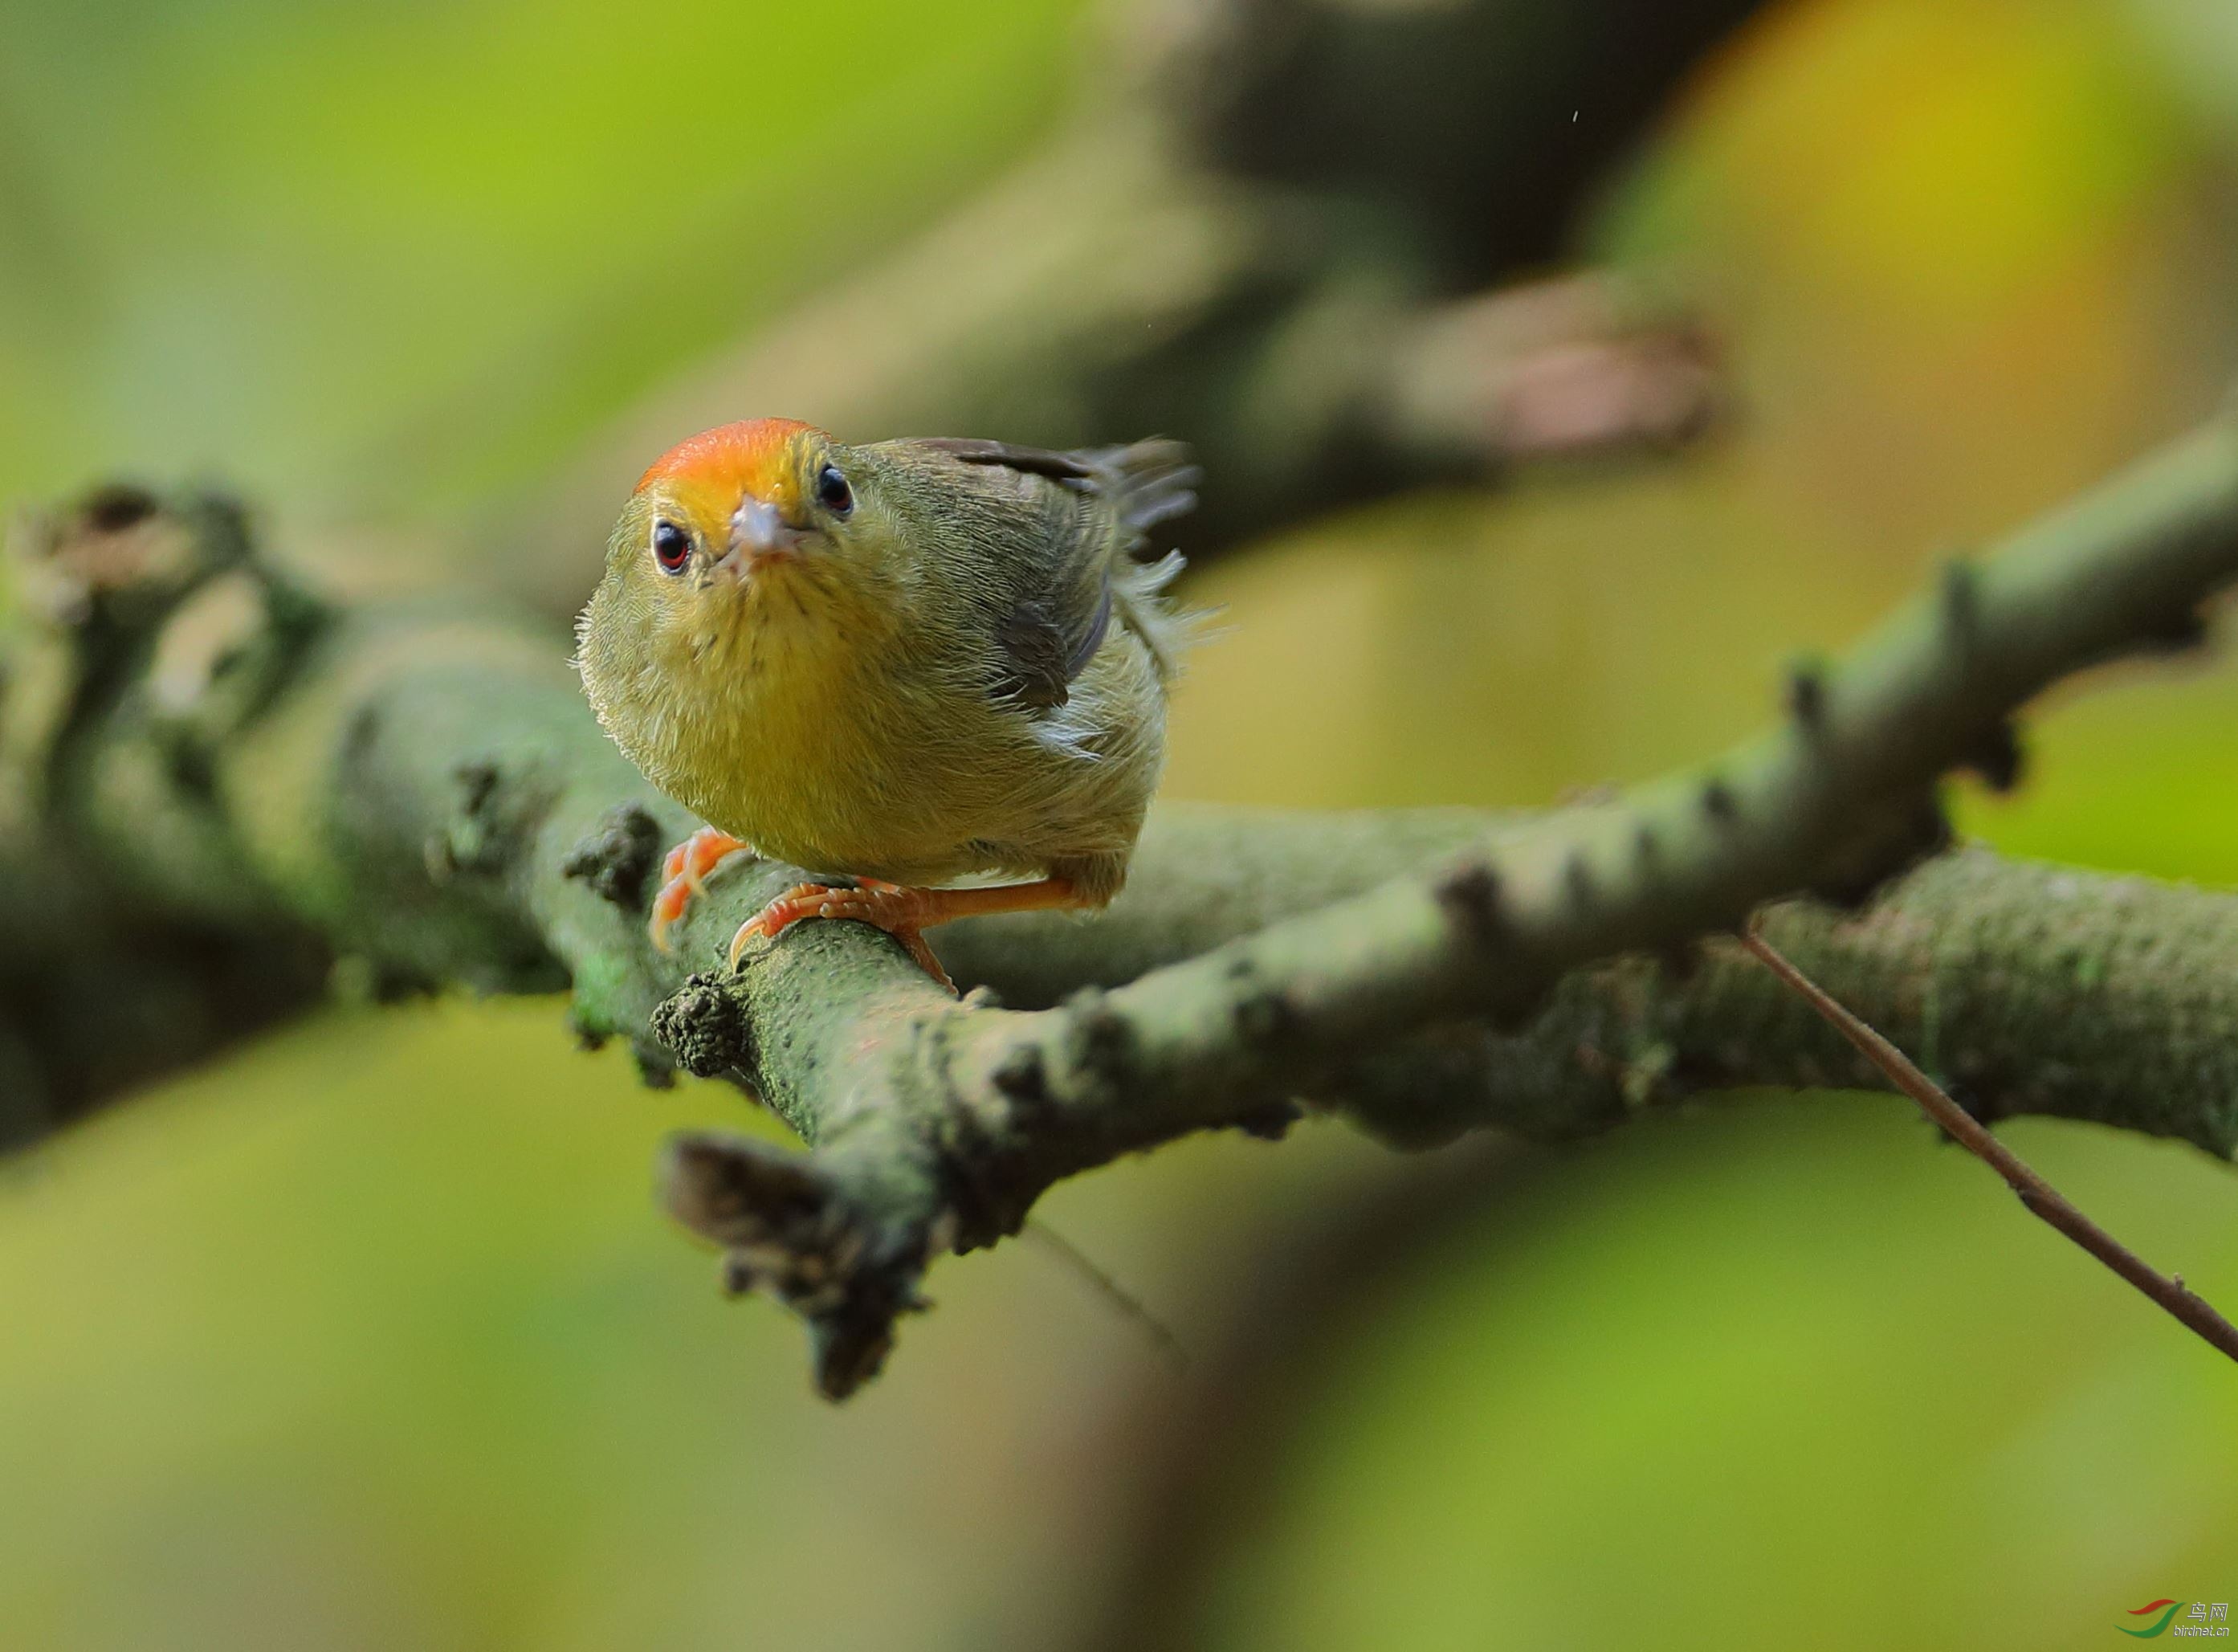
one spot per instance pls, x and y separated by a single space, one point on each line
2039 1196
1129 1306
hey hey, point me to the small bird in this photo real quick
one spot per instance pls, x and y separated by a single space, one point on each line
902 666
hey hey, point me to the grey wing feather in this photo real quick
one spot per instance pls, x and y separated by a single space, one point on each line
1058 603
1149 482
1034 462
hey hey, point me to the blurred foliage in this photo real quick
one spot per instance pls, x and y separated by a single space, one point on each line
1784 1376
369 1336
382 255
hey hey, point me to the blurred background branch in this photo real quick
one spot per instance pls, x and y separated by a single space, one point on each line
1284 230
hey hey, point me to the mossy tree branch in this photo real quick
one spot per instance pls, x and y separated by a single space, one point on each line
422 788
939 1124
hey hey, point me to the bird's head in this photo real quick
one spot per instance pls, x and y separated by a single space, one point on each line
744 527
756 545
739 502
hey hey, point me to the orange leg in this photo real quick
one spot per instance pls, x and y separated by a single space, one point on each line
903 913
686 869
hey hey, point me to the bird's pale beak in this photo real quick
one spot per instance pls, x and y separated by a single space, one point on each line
758 529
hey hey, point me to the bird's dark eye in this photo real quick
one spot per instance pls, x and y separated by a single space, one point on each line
671 547
832 491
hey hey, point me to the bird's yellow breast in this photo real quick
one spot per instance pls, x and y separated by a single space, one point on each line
790 717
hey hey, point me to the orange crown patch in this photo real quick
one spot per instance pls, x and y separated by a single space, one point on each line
739 456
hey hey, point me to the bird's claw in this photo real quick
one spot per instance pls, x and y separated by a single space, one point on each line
682 872
902 913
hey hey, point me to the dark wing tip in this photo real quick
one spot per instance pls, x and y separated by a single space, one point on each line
1034 461
1149 482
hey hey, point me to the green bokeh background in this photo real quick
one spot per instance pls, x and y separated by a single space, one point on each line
368 1336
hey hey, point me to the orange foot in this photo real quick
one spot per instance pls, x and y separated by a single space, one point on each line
686 869
903 913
